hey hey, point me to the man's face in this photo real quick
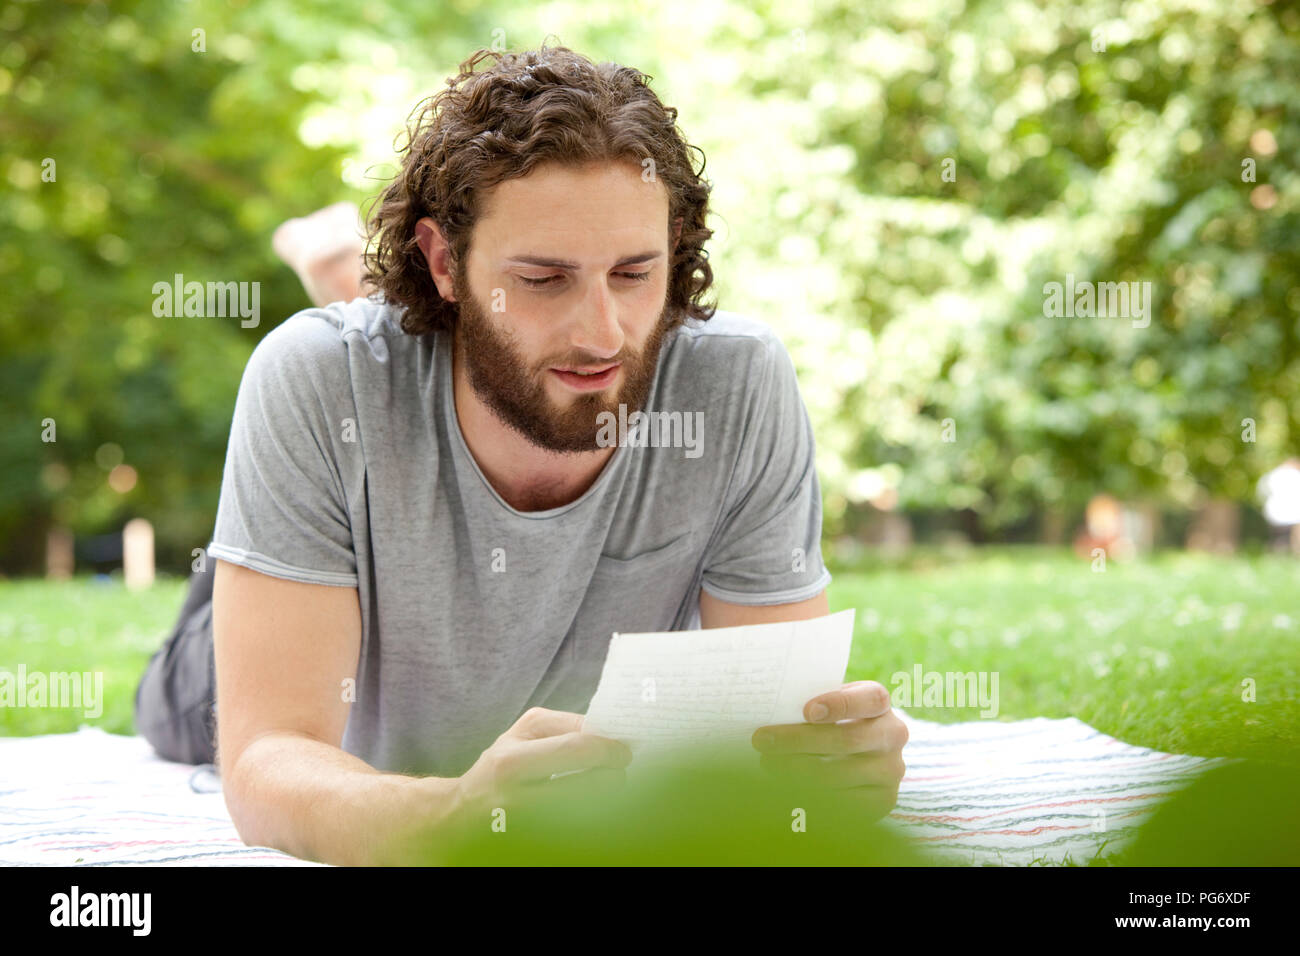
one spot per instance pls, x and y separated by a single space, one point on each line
568 269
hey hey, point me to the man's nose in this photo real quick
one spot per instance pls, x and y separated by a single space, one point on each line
598 330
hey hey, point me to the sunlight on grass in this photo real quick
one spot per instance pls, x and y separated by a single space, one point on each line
83 625
1156 653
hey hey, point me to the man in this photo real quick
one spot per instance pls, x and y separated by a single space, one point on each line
424 545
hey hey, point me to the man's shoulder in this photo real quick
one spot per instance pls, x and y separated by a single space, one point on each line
728 347
326 355
321 337
330 325
727 330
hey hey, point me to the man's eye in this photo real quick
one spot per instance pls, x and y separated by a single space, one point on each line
550 280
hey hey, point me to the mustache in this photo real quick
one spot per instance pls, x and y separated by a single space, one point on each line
625 356
588 362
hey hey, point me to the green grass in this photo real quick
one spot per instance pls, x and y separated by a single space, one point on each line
83 625
1154 652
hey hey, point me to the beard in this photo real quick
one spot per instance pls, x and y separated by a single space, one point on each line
516 392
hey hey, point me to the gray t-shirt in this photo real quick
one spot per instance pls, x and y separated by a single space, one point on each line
347 466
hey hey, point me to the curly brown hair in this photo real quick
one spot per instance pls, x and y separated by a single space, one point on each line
529 108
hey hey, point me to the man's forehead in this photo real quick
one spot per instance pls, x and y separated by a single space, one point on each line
560 205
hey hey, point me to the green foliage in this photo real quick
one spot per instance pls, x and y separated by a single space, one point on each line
1238 814
1122 164
167 159
694 813
907 299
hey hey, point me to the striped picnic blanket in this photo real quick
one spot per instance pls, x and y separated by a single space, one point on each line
1029 791
979 792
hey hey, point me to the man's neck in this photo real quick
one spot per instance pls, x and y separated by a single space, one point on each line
527 478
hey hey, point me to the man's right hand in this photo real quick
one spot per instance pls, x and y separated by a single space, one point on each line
523 760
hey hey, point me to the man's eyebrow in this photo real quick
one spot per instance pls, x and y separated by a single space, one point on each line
565 264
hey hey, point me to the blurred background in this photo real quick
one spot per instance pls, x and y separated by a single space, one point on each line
1101 509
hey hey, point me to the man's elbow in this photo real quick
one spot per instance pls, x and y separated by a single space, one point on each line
238 789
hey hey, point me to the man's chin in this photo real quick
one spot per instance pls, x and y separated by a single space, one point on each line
575 418
549 433
575 444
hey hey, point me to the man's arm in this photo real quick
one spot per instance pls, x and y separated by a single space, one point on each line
715 612
283 651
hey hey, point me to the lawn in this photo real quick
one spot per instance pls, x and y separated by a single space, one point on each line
1157 653
83 625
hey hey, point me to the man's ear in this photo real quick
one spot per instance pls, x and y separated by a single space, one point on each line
437 254
677 232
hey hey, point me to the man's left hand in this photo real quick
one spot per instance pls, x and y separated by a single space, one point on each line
853 741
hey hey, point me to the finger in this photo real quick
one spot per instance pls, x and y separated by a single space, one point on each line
864 698
540 759
839 773
855 736
538 722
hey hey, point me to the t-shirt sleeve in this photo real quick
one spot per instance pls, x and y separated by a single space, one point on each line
283 510
767 548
